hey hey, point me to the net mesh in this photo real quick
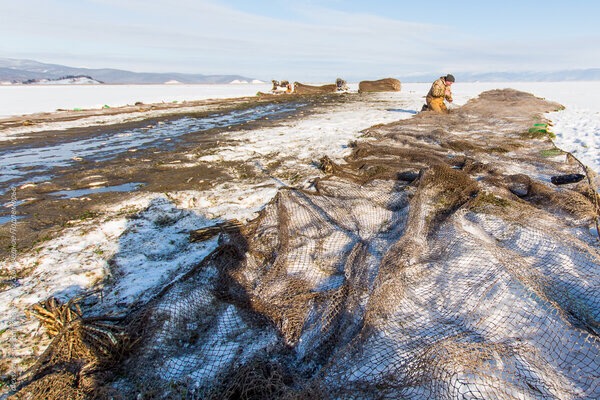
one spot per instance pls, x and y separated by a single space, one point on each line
437 262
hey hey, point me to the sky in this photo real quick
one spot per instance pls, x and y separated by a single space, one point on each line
304 39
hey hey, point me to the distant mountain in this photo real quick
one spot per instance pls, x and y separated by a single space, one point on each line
592 74
19 71
65 80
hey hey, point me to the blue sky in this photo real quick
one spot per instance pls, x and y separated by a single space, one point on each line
303 39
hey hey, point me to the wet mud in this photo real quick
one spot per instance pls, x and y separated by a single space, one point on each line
60 176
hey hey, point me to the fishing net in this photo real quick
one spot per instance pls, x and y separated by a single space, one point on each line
437 262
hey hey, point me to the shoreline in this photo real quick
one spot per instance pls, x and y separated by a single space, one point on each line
136 111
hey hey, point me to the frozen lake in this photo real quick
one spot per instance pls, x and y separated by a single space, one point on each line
28 99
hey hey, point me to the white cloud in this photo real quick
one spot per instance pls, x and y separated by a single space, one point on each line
309 43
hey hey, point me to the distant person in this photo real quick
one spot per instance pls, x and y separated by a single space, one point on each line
341 85
275 85
440 91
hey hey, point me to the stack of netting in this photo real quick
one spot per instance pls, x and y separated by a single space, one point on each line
437 263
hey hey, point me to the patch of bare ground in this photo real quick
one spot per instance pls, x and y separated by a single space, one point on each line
163 167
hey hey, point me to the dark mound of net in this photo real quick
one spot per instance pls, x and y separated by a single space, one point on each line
437 262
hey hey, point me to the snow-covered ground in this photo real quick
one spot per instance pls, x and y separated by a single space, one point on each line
138 254
29 99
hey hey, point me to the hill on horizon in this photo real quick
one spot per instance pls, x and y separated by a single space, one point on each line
20 71
26 71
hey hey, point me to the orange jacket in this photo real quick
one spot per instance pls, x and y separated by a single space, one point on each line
439 89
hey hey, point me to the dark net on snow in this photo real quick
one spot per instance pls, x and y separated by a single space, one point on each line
437 262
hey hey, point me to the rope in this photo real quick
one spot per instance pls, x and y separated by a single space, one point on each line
593 188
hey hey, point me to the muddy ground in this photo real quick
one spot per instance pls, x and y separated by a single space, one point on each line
42 214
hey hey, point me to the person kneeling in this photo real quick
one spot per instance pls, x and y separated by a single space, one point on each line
440 91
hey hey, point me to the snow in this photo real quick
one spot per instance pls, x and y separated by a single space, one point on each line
28 99
132 257
80 80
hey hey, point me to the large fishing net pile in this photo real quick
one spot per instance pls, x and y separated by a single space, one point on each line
437 262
